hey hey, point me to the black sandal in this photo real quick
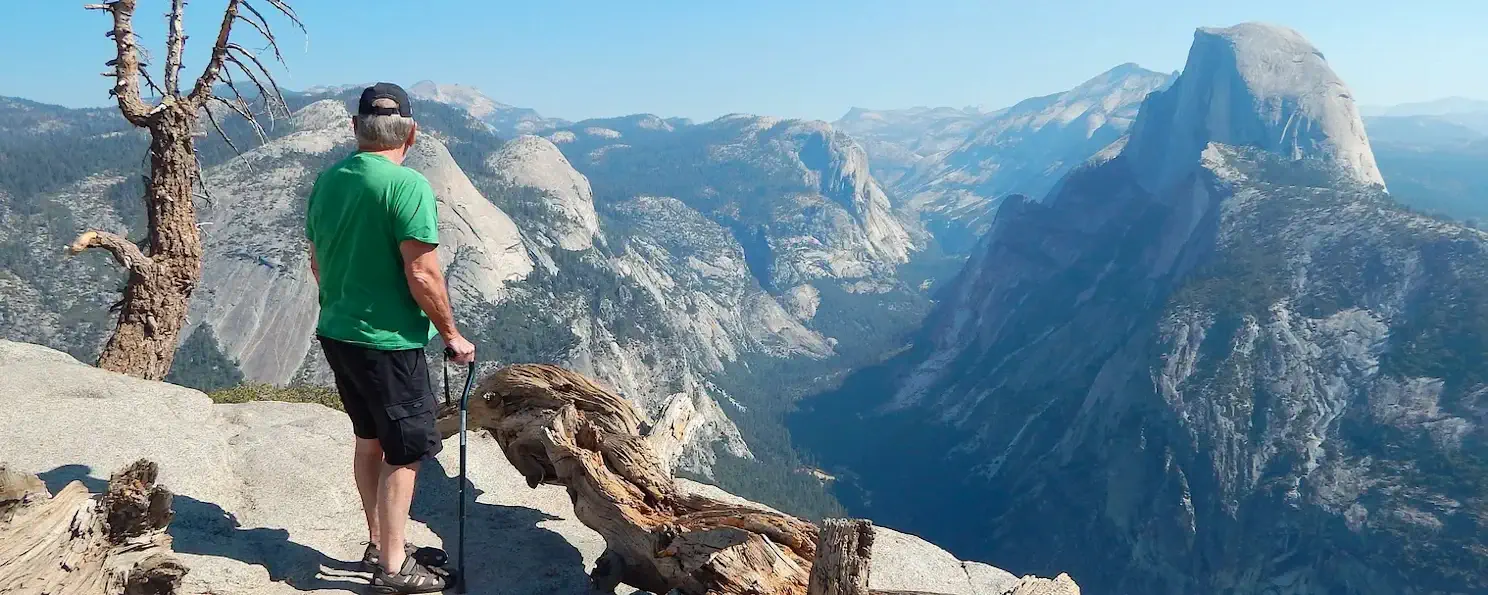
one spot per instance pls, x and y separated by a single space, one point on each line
432 557
413 577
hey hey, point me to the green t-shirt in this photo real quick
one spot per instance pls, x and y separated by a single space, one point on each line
359 211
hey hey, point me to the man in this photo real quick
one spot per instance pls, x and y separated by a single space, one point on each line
373 234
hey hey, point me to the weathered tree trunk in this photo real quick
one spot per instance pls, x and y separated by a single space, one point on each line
163 276
155 302
78 544
558 427
843 557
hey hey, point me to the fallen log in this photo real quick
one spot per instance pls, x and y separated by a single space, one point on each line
76 543
558 427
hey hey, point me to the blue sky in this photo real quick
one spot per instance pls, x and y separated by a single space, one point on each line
795 58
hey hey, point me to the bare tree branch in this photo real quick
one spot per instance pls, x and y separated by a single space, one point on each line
126 65
211 117
262 25
201 178
149 82
242 110
175 47
270 100
209 76
125 252
283 7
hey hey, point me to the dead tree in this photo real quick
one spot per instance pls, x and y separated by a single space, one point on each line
76 543
843 558
560 428
164 272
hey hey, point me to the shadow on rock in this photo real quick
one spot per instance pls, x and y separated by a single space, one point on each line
205 529
58 478
509 554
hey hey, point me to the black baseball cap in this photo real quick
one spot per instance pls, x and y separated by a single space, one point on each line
371 94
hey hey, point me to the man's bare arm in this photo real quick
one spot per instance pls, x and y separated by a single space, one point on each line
314 264
426 282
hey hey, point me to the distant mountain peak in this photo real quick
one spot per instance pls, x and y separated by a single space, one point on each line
468 97
1252 85
326 113
1127 69
506 120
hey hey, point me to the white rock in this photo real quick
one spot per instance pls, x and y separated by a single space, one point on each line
802 301
265 503
1252 85
478 242
536 163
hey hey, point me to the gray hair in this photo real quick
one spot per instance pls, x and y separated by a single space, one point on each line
382 133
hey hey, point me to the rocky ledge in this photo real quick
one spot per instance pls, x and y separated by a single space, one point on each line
264 503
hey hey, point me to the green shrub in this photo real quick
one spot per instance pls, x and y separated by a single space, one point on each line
252 391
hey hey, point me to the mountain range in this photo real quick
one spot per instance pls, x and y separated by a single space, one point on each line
694 296
1173 324
965 163
1218 357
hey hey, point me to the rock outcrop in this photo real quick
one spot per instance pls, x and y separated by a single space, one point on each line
256 292
480 245
264 503
1251 85
797 195
1216 360
535 163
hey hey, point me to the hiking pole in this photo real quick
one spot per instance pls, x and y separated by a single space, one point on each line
464 410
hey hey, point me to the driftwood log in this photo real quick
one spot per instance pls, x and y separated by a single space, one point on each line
76 543
560 428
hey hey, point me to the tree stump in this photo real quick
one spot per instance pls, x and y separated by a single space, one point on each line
75 543
843 557
560 428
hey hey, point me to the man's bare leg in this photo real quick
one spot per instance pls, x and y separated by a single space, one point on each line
368 470
393 502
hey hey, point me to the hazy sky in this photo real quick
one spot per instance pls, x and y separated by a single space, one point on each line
796 58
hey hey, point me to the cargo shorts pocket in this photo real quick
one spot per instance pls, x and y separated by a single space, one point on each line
414 437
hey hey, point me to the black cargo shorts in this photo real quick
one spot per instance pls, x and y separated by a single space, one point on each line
388 397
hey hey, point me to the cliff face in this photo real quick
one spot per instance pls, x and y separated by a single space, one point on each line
1258 86
798 195
1219 360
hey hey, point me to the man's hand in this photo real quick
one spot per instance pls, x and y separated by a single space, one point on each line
459 350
